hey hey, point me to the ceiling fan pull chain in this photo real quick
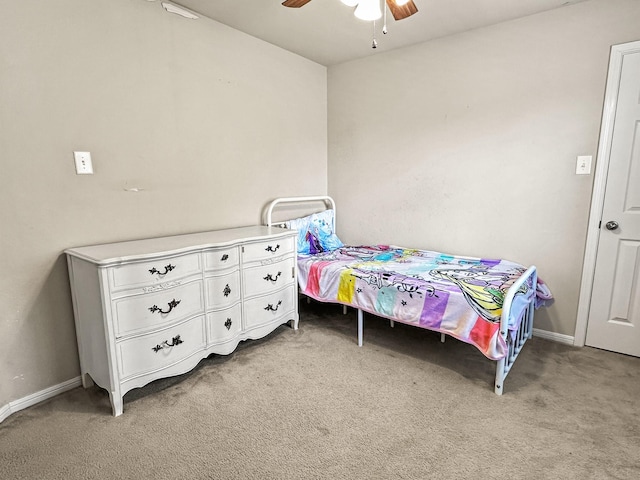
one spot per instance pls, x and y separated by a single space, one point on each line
374 44
384 10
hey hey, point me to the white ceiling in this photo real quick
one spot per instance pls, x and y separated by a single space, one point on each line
326 31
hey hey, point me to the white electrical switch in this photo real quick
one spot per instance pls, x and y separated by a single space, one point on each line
583 165
83 163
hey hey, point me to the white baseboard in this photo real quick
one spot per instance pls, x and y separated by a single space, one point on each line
38 397
5 411
556 337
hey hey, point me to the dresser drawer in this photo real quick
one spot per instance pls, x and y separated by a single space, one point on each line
268 278
225 324
158 350
153 272
153 310
268 249
269 308
223 290
219 259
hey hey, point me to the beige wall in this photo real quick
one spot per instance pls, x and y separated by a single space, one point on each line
468 144
208 122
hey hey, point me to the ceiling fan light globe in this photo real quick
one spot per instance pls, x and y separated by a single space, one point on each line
351 3
368 10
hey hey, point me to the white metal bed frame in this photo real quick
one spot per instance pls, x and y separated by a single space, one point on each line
514 342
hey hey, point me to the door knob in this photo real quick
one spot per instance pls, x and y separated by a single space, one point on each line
612 225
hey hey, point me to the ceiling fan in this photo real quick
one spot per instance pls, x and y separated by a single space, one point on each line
399 8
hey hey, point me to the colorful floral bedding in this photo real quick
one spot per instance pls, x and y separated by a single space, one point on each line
459 296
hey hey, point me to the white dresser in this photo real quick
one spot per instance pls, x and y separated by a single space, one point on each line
149 309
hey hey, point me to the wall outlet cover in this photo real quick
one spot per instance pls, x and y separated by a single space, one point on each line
83 163
583 165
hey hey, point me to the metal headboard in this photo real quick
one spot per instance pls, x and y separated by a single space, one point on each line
328 201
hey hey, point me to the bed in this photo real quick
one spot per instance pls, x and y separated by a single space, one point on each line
488 303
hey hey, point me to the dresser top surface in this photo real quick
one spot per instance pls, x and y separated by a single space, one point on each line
120 252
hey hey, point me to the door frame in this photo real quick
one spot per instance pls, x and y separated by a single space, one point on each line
599 184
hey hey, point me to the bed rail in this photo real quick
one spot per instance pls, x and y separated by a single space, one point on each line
328 201
525 327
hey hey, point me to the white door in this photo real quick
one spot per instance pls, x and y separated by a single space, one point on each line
614 314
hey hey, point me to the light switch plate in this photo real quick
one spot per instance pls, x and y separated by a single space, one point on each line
83 163
583 165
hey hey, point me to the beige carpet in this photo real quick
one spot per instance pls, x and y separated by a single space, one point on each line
312 405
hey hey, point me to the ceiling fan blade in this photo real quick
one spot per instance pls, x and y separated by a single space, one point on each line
399 12
295 3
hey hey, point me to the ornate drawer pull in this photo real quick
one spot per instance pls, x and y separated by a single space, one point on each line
174 341
270 308
271 249
167 269
227 290
224 258
172 304
228 324
269 278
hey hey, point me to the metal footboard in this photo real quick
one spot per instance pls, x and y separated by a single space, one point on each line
525 329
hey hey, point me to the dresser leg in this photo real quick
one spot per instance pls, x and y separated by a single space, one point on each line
116 404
